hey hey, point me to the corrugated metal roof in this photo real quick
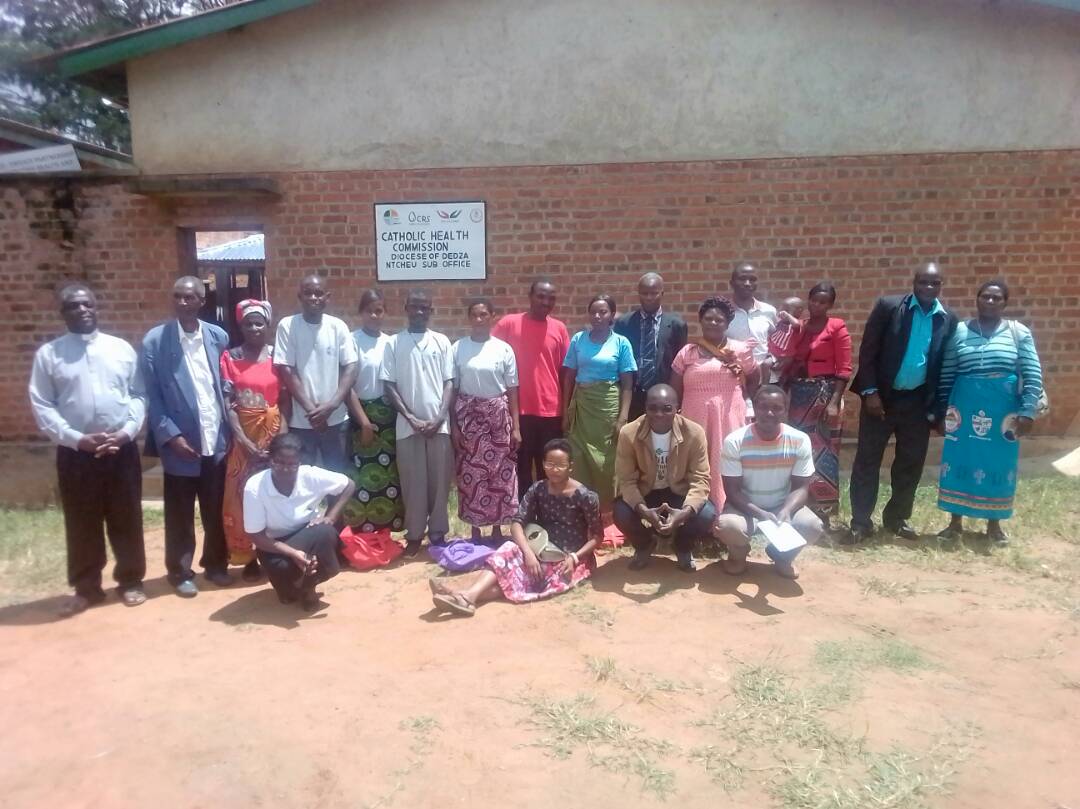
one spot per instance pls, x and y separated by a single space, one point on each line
250 248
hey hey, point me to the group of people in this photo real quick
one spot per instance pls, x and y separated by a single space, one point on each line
547 438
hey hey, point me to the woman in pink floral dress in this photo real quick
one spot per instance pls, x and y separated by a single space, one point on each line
713 376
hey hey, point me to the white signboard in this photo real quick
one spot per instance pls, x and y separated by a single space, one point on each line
436 241
49 158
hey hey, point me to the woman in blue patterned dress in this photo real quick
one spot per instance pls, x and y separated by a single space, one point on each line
991 381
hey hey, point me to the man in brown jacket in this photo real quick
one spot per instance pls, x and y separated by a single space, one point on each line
662 479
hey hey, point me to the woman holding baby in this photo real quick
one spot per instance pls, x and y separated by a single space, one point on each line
815 366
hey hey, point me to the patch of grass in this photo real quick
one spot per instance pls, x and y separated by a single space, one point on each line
898 590
720 765
898 779
33 555
612 743
857 654
771 711
587 612
640 686
422 729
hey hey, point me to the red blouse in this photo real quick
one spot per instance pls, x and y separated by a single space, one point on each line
825 353
253 384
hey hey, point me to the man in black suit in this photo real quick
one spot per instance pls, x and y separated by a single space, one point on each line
899 365
656 337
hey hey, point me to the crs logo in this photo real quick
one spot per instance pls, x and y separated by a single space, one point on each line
448 216
391 217
953 419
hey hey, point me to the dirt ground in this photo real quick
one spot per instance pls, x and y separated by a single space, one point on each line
866 683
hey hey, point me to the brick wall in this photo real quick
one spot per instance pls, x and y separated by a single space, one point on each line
861 222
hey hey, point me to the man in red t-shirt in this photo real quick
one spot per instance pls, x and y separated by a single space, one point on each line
539 344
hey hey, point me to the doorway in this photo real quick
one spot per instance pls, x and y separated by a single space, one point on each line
232 265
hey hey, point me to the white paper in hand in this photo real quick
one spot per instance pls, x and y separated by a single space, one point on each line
782 536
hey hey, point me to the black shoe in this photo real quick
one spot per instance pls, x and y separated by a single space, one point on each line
412 547
218 577
950 533
998 537
252 572
685 562
640 561
856 534
903 529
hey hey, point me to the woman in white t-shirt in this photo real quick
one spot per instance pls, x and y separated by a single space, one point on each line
377 503
485 425
297 546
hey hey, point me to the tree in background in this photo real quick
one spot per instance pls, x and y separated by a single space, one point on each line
30 28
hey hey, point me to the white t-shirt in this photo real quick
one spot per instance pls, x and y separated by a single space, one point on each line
267 509
317 352
370 351
752 326
420 365
484 369
766 467
661 444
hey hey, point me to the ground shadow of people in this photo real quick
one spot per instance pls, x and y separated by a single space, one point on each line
263 608
46 610
615 575
759 575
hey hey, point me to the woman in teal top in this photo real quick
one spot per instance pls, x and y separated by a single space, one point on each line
991 380
599 379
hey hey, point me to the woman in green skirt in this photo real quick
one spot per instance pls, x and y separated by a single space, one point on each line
599 378
377 501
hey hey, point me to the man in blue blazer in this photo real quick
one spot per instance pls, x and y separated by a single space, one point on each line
187 429
655 335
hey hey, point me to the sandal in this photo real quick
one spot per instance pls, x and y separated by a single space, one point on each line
454 602
252 572
998 537
950 534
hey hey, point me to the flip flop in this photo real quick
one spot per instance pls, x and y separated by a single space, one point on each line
454 602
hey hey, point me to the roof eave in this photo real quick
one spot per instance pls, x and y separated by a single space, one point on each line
101 64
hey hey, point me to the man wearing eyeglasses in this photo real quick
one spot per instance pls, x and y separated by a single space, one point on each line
662 480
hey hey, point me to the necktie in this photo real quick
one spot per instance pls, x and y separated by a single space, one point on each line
647 372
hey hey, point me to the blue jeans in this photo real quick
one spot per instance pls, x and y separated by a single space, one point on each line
641 537
327 449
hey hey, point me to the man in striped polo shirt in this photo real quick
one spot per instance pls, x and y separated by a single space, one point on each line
767 468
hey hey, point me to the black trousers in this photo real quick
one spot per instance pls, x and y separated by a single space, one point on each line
641 537
905 418
102 495
535 432
180 495
320 541
637 404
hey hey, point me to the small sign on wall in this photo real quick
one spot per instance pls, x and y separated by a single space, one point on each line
431 241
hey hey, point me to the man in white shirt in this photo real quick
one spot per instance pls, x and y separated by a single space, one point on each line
318 359
418 370
773 487
186 427
753 321
297 545
87 397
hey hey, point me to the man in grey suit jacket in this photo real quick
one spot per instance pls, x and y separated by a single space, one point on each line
656 337
187 429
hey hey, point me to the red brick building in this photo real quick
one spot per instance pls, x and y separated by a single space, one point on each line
630 166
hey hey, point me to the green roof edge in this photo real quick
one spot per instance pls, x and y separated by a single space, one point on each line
124 47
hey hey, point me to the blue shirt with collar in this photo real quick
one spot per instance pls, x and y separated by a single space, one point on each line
912 373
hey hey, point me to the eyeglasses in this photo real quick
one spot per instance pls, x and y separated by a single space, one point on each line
558 467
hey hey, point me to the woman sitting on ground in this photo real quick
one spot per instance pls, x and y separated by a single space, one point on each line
296 546
568 512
